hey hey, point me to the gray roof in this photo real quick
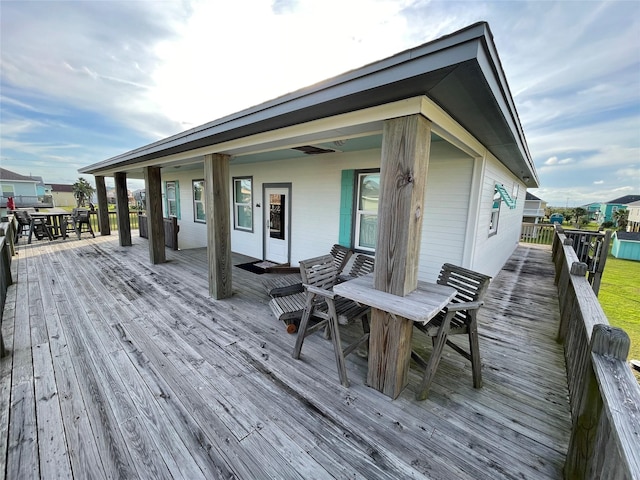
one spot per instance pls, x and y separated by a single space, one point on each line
634 236
8 175
531 196
461 72
625 200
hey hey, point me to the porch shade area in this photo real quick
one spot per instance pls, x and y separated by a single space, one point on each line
120 368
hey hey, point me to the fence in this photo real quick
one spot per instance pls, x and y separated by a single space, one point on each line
29 201
113 220
591 247
7 234
603 392
541 233
171 230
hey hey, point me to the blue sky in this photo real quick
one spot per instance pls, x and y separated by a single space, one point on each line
82 81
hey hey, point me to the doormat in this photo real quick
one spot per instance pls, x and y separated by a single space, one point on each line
252 267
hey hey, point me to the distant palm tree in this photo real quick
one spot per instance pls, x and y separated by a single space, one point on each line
621 217
82 191
579 212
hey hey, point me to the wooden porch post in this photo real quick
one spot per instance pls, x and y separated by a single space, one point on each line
103 206
155 223
216 178
406 143
122 205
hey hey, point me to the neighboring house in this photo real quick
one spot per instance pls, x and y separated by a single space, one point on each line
111 197
633 221
62 195
626 245
533 209
604 212
26 191
307 170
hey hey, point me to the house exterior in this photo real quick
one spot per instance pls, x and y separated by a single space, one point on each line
633 221
604 212
626 245
533 209
425 145
62 195
26 191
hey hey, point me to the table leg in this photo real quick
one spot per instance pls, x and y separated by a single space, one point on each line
32 225
389 352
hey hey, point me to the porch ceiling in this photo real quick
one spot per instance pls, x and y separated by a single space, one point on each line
461 73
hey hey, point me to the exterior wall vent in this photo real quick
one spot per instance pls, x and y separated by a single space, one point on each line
311 150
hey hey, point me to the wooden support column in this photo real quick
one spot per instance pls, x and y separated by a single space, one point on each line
103 206
122 205
155 223
406 142
216 178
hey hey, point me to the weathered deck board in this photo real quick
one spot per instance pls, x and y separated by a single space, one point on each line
123 368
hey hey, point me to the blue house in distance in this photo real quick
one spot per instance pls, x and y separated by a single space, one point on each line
604 212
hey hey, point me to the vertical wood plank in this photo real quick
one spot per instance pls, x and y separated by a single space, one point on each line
103 206
216 172
155 223
403 176
122 204
406 143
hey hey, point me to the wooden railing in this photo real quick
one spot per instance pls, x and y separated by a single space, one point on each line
113 220
541 233
603 392
7 250
171 230
591 247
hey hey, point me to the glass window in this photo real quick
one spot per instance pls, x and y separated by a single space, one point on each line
495 212
8 191
243 203
367 210
171 190
198 202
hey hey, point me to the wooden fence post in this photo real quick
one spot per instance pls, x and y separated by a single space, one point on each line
605 341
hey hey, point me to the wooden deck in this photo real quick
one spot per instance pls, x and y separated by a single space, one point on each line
122 369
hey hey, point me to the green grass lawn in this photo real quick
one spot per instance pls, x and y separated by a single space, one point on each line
620 298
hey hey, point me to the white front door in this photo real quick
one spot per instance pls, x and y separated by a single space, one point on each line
277 229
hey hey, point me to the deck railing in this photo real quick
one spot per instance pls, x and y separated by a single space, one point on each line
604 394
7 250
541 233
591 247
113 220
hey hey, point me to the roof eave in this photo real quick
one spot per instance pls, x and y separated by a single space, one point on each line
425 70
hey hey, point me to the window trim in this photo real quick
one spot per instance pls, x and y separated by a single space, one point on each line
195 202
357 213
237 204
176 184
494 218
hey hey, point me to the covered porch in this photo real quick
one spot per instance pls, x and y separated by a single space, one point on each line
121 368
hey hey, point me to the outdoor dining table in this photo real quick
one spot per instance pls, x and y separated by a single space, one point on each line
390 358
56 221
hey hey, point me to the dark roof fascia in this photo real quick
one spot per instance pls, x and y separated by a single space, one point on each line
369 86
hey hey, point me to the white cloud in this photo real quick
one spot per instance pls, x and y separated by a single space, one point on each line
598 182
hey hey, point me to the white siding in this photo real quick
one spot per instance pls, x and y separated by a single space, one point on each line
491 252
191 234
315 203
446 210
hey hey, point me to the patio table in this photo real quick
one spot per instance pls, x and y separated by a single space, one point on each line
56 221
391 358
